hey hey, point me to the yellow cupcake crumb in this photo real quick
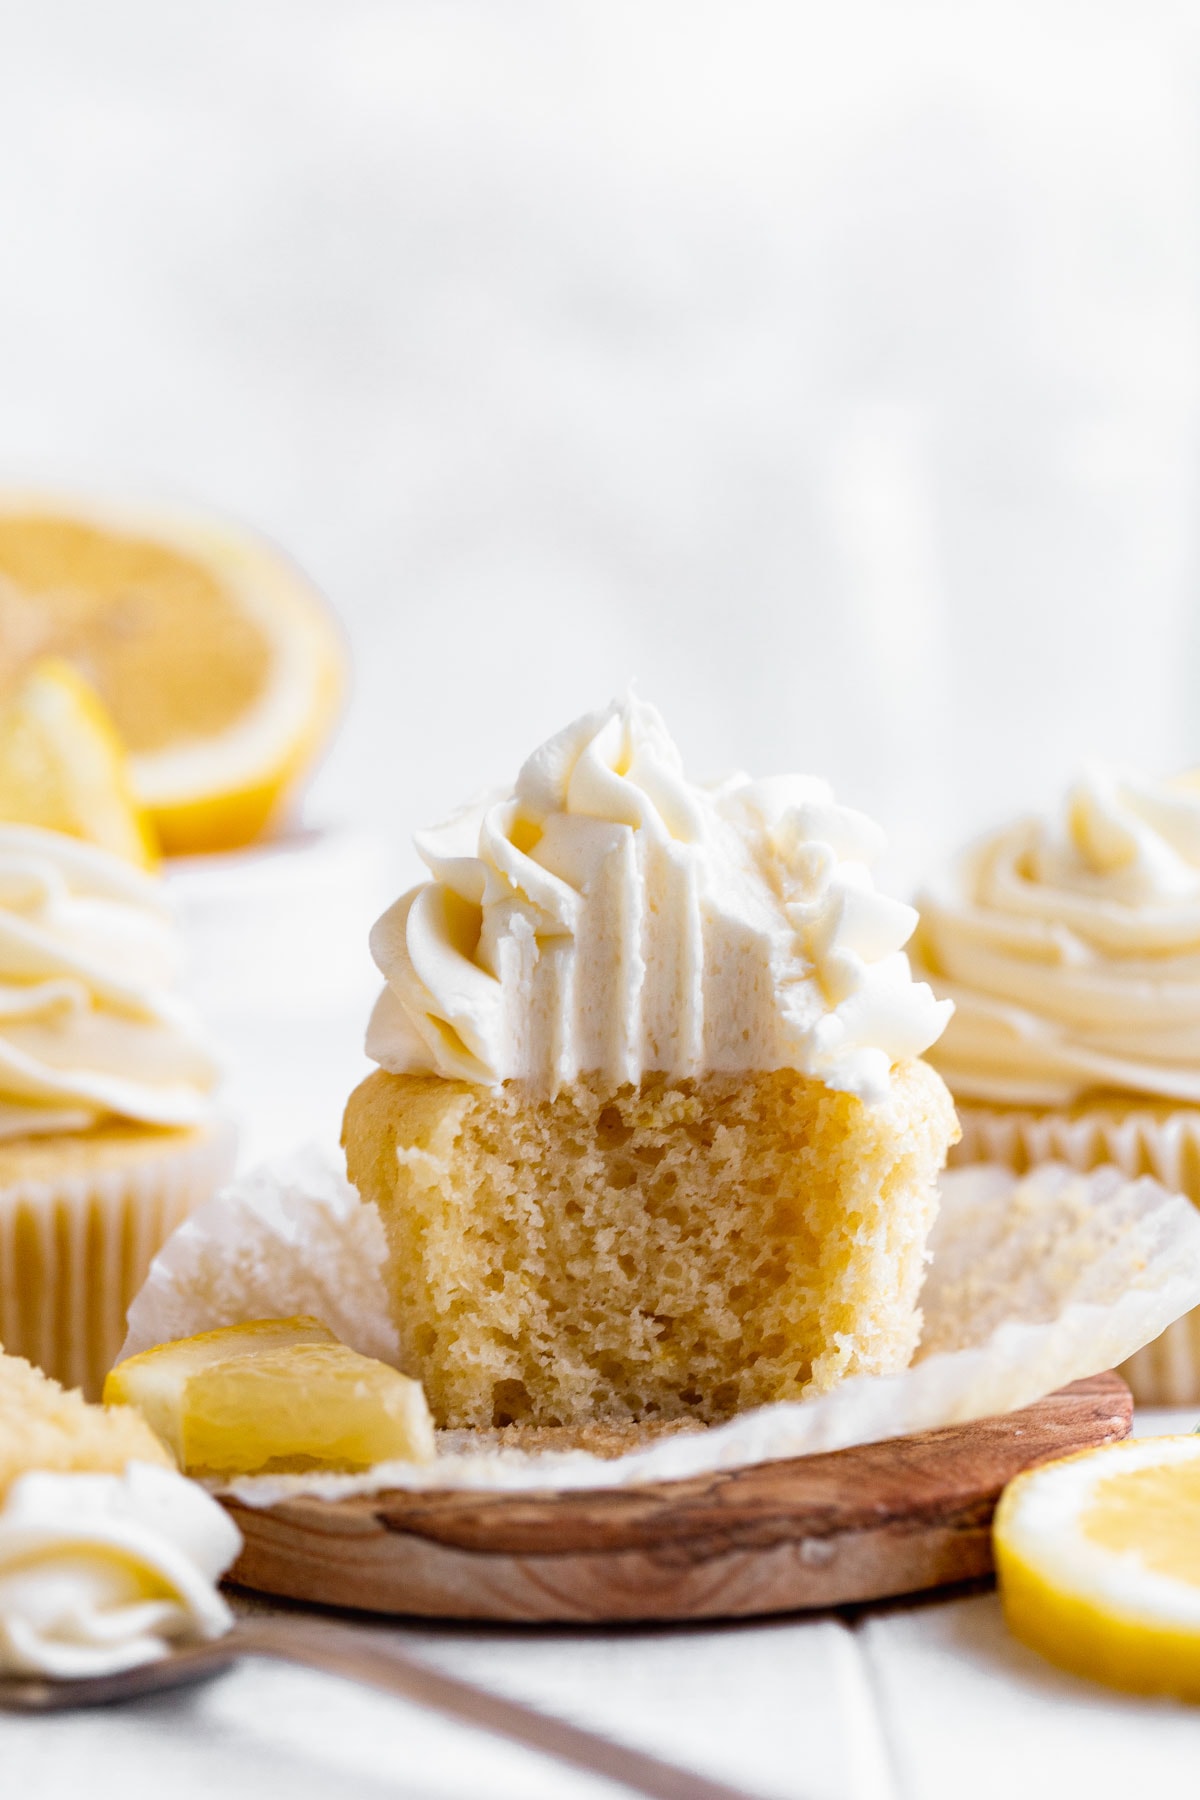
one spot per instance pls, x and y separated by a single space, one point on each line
676 1249
45 1426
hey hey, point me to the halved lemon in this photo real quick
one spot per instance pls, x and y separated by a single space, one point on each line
62 765
220 665
277 1394
1098 1562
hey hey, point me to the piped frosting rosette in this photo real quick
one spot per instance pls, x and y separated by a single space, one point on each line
1070 947
608 916
89 1025
100 1573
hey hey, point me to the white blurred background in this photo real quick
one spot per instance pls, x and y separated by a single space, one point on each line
832 370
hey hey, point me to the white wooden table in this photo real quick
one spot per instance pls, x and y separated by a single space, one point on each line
931 1701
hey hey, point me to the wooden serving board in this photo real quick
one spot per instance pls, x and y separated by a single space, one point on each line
815 1531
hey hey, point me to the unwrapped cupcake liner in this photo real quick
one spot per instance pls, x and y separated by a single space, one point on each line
76 1248
289 1237
1033 1283
1138 1141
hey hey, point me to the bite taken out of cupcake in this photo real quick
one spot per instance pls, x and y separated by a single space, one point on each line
651 1135
108 1135
1070 946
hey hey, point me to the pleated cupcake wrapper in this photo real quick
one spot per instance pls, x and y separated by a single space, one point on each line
1033 1283
1166 1146
75 1250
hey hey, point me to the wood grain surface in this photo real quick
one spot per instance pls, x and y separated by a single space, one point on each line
815 1531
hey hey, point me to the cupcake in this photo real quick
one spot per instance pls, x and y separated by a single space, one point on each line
1070 947
107 1132
650 1134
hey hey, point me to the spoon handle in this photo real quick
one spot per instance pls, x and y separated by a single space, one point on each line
341 1650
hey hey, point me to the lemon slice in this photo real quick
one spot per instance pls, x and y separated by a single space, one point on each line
220 665
275 1395
1098 1561
62 766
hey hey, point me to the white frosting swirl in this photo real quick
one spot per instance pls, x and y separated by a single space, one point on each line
100 1573
1071 949
88 1026
608 917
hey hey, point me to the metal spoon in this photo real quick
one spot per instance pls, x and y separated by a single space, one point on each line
341 1650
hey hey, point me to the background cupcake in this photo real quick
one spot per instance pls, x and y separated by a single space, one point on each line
107 1131
1071 949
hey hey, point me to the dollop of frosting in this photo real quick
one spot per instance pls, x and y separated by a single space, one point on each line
1071 949
89 1027
607 917
100 1573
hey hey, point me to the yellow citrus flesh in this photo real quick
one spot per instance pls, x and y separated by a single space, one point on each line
155 1380
62 766
1153 1514
1098 1563
308 1406
278 1394
219 664
119 606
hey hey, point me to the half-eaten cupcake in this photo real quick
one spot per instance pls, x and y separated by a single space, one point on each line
650 1132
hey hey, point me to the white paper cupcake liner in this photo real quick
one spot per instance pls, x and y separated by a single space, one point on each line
1033 1283
1138 1141
75 1249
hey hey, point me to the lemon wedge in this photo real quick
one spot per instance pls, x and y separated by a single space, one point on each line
62 766
220 665
1098 1562
274 1395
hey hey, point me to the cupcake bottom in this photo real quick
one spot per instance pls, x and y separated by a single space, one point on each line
1140 1138
82 1216
670 1249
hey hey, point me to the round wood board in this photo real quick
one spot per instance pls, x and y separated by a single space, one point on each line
815 1531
